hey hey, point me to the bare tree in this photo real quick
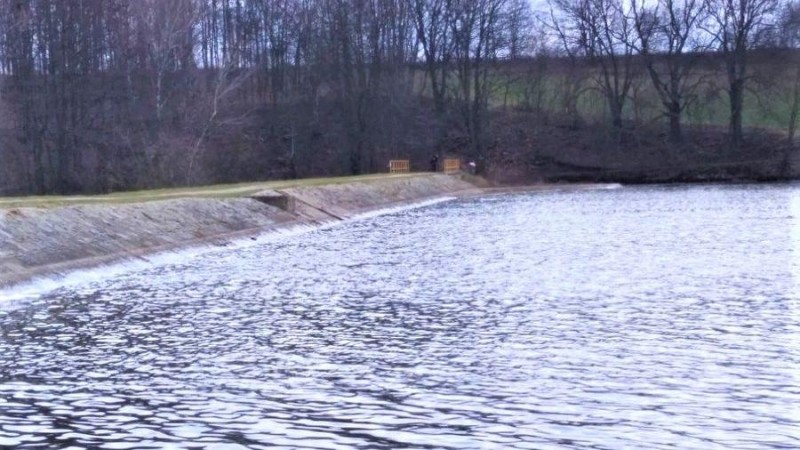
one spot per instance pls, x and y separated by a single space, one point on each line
433 29
166 29
475 27
667 37
571 76
518 27
226 83
604 31
788 34
736 25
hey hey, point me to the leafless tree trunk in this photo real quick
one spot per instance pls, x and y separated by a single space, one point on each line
227 82
788 36
475 30
667 35
168 27
736 25
604 31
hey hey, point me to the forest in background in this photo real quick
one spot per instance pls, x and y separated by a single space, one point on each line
109 95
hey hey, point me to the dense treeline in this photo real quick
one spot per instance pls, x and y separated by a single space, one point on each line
103 95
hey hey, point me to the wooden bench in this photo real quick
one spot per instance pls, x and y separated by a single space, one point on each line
451 165
399 166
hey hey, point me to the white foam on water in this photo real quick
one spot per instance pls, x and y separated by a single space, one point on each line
80 277
396 209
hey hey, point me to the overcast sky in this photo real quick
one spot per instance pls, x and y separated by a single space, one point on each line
539 5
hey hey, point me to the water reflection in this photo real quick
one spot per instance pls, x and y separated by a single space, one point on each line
653 317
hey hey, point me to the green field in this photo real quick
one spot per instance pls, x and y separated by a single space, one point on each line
768 98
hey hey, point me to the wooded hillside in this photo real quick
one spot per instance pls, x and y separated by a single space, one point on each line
107 95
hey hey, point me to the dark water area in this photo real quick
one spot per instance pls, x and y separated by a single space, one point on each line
652 317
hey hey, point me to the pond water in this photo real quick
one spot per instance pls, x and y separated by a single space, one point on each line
657 317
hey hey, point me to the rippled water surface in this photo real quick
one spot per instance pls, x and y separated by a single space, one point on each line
629 318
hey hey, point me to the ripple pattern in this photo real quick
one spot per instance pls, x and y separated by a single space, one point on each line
659 317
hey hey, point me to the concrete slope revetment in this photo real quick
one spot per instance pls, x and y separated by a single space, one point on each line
37 242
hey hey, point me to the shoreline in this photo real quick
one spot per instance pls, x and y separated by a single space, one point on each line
52 242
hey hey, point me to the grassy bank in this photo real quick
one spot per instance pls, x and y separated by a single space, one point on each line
214 191
544 82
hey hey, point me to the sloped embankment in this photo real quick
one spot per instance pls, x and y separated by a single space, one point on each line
46 241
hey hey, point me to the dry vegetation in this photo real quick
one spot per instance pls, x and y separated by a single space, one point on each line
102 96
